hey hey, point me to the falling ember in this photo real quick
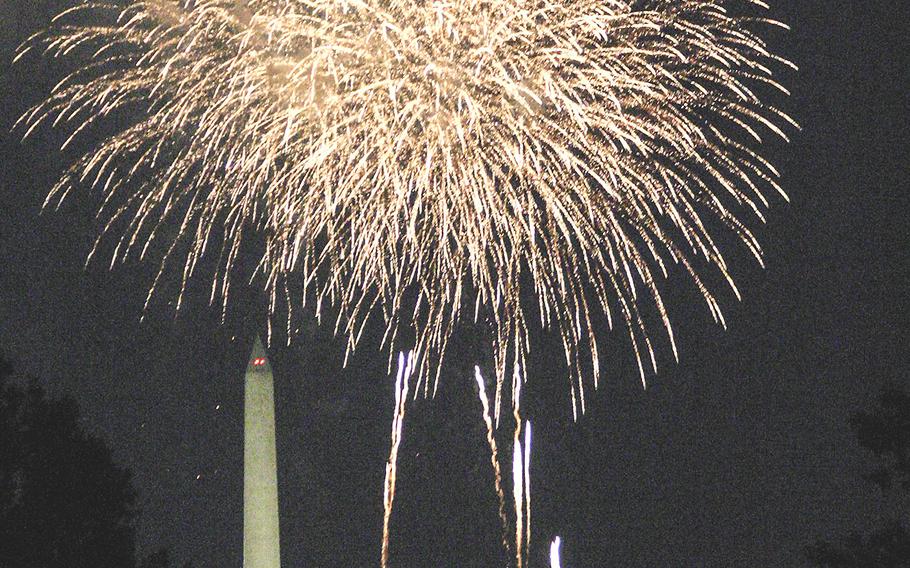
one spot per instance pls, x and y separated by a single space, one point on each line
554 553
429 162
494 455
405 370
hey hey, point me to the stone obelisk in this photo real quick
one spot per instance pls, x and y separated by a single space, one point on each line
260 470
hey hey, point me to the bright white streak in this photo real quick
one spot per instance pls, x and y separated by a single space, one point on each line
554 553
527 474
518 492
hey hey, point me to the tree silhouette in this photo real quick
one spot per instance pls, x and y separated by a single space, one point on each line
160 558
888 547
64 503
885 433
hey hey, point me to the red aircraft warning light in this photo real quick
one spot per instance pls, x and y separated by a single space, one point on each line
259 361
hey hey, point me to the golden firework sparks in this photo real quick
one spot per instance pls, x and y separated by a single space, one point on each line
432 160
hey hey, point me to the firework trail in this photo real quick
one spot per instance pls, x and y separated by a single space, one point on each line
522 163
518 493
494 455
521 475
521 471
518 477
527 484
555 562
405 370
521 490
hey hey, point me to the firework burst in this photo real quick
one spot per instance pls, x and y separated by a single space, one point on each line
519 163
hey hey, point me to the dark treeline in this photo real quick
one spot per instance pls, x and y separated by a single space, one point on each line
884 432
64 502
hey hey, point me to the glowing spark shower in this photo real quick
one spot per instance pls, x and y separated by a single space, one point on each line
519 163
403 378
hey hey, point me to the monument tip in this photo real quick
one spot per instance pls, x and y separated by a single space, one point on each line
259 359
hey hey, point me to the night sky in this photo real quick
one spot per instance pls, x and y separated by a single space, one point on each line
740 455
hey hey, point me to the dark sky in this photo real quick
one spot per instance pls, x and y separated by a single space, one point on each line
738 456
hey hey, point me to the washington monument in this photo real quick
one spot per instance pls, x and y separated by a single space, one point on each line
260 472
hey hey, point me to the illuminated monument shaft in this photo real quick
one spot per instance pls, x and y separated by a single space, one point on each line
260 472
